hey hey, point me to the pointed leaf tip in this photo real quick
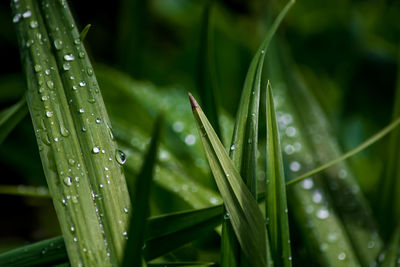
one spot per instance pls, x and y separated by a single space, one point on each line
193 102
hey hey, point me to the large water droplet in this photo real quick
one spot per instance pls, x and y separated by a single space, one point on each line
17 18
96 149
58 44
82 83
190 139
27 14
69 57
120 157
67 181
322 213
66 66
308 183
342 256
49 114
295 166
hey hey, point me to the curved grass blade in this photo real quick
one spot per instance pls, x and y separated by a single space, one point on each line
206 74
370 141
276 206
140 195
163 234
244 214
48 252
11 116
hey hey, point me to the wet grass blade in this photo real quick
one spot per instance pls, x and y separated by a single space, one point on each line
206 76
245 135
244 214
11 116
140 196
73 131
45 253
276 204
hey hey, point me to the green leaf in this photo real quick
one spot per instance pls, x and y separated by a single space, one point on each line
206 79
163 234
84 32
245 216
276 206
10 117
25 191
72 127
48 252
169 232
140 195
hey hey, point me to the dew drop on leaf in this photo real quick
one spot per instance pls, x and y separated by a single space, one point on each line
120 157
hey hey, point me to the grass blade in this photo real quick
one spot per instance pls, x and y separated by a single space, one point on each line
276 206
10 117
370 141
75 146
245 135
48 252
84 32
25 191
163 234
389 215
390 255
206 75
140 195
245 216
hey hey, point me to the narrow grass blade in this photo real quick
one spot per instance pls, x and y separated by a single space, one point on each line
389 195
44 253
372 140
11 116
163 234
205 75
390 256
245 135
244 214
140 195
84 32
78 152
276 206
25 191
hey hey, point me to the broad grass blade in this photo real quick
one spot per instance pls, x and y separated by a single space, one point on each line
11 116
276 204
140 196
244 214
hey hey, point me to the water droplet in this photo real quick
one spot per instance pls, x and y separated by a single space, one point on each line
81 110
289 149
96 149
75 239
291 131
262 51
38 68
307 183
82 83
27 14
69 57
47 72
56 139
81 54
49 114
101 185
77 41
67 181
72 229
44 98
322 213
232 147
295 166
120 157
64 131
58 44
17 18
126 210
66 66
317 197
74 87
190 139
50 84
98 120
33 24
89 71
342 174
342 256
76 179
227 216
214 200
